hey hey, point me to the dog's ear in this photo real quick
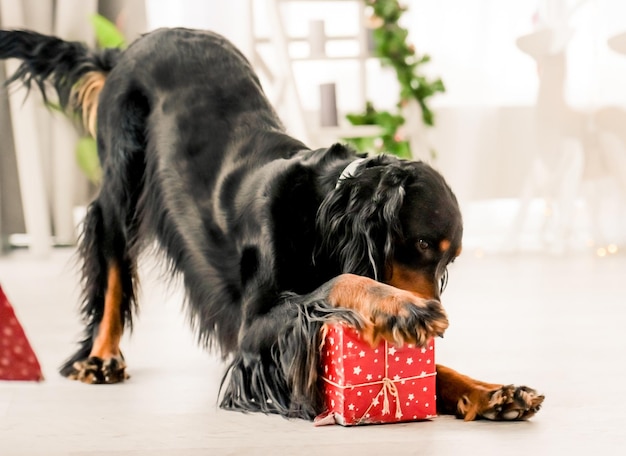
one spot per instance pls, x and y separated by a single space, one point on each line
359 220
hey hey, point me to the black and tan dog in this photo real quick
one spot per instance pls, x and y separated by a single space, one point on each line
271 238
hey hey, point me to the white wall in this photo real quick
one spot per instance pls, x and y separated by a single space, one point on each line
486 129
230 18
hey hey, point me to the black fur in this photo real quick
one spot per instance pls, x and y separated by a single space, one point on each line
49 59
254 221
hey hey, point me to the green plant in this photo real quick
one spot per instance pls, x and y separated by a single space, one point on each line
392 48
108 36
107 33
388 139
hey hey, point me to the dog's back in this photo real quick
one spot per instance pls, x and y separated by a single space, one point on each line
195 125
182 122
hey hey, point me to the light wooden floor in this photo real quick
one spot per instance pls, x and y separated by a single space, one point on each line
556 323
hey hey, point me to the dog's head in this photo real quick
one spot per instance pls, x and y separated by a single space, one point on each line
394 220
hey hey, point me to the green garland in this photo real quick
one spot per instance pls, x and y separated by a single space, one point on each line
391 47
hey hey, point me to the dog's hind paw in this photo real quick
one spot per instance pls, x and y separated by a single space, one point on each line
96 370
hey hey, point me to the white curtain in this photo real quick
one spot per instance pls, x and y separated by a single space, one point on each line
49 184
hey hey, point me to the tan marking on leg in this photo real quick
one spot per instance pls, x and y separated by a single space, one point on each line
460 395
107 343
470 399
387 311
366 295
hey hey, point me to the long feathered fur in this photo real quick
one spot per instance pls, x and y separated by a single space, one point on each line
75 72
358 222
283 378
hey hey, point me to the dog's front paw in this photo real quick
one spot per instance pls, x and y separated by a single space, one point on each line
94 370
407 319
396 315
508 403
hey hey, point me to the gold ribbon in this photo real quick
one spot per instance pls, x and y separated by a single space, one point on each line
390 386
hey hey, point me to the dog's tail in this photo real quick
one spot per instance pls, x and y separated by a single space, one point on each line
75 72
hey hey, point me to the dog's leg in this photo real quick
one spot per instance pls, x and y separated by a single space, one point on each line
471 399
108 294
391 313
108 247
276 367
105 363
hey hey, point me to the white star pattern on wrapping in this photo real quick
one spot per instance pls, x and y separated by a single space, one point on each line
343 364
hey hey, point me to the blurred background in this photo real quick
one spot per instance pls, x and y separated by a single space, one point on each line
520 104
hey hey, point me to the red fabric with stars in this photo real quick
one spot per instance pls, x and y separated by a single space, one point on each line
17 359
365 385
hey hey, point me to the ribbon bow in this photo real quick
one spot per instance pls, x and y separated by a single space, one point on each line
390 386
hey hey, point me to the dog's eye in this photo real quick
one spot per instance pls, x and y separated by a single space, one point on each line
422 244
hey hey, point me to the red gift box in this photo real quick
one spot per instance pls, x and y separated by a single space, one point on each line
17 359
365 385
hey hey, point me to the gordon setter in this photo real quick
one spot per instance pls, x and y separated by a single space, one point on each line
271 238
